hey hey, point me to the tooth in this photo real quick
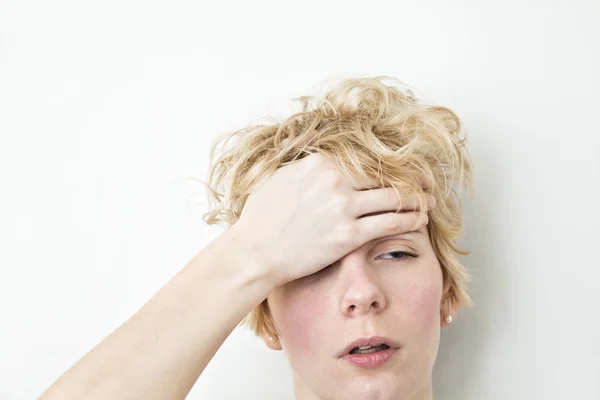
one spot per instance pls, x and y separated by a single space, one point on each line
364 347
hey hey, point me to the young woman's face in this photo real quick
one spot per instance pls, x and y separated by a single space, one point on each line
376 290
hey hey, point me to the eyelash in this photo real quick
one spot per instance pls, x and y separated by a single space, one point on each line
403 253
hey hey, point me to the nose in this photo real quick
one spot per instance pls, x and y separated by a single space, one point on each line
362 293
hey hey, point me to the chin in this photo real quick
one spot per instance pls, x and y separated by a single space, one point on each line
371 388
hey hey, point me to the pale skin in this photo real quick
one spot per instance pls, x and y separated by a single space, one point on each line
375 290
323 219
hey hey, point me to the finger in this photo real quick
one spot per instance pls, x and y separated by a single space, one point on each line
386 200
377 226
365 183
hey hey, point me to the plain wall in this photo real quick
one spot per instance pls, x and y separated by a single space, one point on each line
106 108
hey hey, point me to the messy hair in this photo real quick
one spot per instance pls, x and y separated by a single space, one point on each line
368 128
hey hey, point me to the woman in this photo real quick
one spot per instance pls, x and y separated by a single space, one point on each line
339 249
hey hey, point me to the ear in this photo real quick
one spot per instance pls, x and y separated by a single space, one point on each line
269 330
273 345
445 310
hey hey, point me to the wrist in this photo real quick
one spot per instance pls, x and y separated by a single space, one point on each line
247 259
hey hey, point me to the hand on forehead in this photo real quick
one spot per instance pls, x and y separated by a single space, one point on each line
364 183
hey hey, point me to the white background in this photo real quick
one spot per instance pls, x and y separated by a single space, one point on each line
106 108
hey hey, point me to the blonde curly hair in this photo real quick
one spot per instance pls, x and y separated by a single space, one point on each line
369 129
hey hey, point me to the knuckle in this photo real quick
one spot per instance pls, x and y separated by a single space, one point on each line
318 159
333 178
401 222
392 223
348 231
343 203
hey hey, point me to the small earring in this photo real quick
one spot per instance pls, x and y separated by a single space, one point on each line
271 339
448 318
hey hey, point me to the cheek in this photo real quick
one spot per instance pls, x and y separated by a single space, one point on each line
420 301
301 320
425 306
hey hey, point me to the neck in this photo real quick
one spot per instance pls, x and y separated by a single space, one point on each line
301 392
426 391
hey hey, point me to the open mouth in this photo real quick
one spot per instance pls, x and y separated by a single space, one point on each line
370 356
369 349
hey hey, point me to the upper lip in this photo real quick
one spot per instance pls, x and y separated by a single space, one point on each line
370 341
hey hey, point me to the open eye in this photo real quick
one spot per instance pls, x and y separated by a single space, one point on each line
399 255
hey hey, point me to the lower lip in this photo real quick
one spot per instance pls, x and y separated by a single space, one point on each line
370 360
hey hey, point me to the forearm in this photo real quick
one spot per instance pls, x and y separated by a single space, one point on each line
160 352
